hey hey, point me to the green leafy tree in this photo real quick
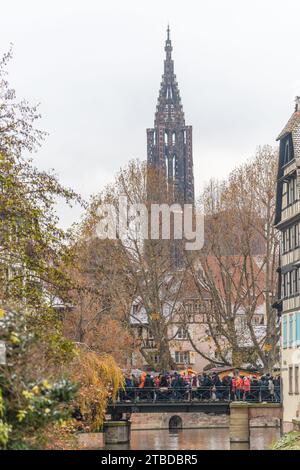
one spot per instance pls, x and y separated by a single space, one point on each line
33 393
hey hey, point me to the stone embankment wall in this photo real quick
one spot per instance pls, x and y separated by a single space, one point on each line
192 420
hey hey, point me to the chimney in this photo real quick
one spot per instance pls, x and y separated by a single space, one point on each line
297 101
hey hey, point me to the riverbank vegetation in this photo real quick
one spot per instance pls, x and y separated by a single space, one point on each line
290 441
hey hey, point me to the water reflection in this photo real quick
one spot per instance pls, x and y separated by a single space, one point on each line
198 439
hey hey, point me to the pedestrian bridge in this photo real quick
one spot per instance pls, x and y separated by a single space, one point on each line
118 408
201 399
258 403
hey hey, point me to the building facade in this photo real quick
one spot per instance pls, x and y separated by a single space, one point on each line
287 222
180 335
169 142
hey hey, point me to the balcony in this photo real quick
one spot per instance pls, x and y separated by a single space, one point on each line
290 211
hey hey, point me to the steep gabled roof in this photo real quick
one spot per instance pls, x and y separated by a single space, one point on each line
293 128
291 125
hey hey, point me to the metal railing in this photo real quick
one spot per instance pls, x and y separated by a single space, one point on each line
256 394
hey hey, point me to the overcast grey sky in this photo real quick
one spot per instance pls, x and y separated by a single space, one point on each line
96 67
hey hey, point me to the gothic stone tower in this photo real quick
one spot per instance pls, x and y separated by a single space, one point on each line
169 143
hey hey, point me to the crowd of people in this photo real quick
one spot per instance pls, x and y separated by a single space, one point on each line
205 386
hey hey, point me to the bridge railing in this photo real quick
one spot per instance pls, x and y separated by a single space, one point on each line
256 394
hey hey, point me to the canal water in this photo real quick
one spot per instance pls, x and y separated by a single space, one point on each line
198 439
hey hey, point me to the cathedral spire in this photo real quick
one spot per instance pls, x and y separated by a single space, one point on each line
170 141
169 107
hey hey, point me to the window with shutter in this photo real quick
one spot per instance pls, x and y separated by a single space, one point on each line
291 331
297 328
297 380
290 379
284 331
192 357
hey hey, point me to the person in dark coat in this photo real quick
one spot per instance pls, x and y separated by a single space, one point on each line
207 385
164 381
277 383
264 387
149 387
177 384
255 389
164 392
226 387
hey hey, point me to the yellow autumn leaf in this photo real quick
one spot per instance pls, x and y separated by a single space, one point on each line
27 395
46 384
36 390
21 415
14 338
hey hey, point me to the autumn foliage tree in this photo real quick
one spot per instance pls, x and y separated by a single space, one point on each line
97 317
127 269
238 264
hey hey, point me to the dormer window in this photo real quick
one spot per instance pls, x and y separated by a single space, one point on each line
287 152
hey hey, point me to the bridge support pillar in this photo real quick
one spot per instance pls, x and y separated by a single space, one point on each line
241 413
239 427
117 432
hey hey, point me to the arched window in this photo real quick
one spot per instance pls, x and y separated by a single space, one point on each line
169 92
166 138
167 166
174 167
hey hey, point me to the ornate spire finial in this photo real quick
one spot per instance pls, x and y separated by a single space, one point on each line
168 45
168 32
